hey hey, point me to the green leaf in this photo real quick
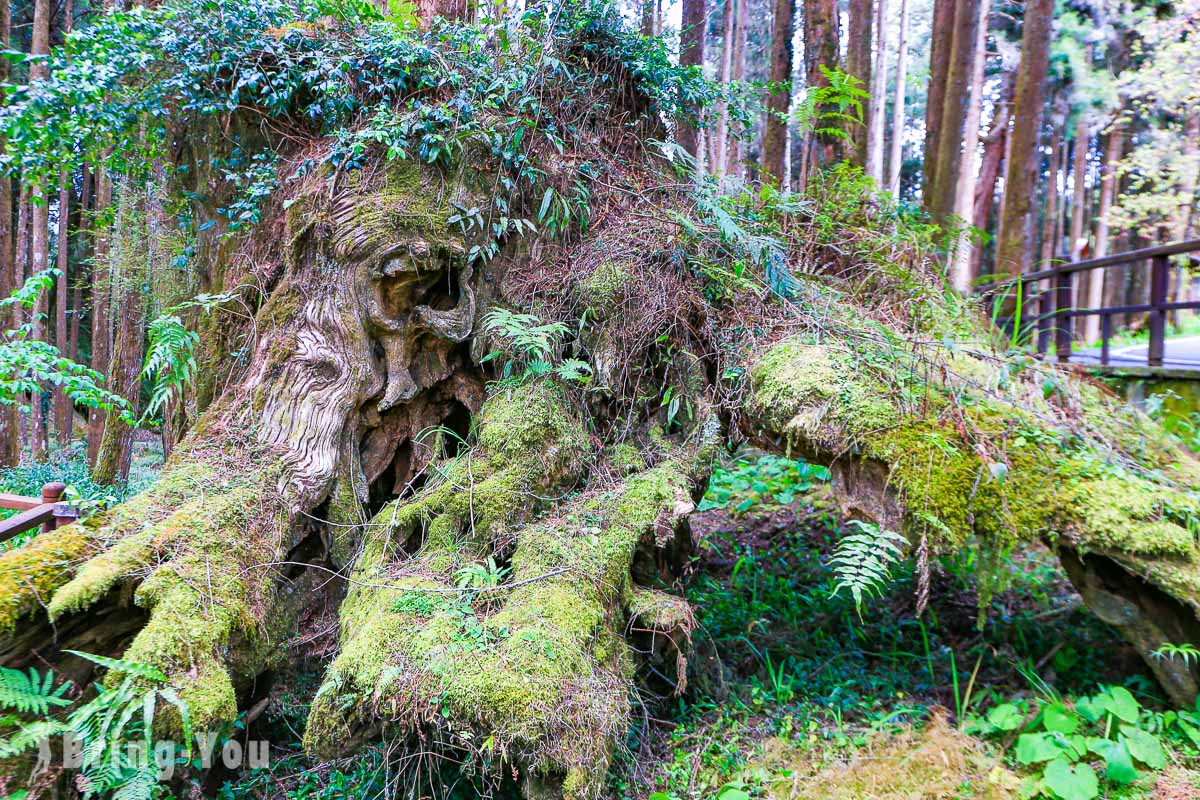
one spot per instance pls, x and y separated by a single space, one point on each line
1034 748
1143 746
1122 704
1057 717
1071 782
1005 717
1118 766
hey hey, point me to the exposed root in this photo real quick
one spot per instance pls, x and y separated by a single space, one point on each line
533 673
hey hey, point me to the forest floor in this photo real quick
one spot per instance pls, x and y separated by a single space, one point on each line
795 693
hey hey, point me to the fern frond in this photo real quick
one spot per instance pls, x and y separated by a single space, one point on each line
121 665
862 561
31 693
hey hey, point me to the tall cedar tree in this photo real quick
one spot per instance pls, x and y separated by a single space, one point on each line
821 49
948 158
778 101
39 219
858 65
878 101
896 157
691 54
9 445
1014 249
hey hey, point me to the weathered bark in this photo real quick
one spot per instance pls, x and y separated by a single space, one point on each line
692 37
943 471
1014 249
859 31
896 158
129 266
778 102
39 222
736 157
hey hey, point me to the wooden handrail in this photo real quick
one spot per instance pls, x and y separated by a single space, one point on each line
1055 307
1071 267
48 511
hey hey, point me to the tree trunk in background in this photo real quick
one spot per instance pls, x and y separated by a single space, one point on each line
39 223
1014 250
821 49
1114 283
964 196
989 174
428 10
130 239
10 450
1091 288
736 152
101 299
940 49
62 403
956 102
1050 210
875 118
81 226
691 54
896 160
1183 222
858 65
721 138
775 136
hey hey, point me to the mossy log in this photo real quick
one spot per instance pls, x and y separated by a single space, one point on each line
953 445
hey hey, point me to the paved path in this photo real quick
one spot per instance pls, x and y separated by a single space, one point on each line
1179 353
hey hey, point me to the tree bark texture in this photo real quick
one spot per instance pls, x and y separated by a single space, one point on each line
878 102
101 296
779 101
821 49
1015 246
692 37
962 276
9 432
859 35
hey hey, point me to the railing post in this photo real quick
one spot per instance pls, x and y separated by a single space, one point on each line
52 493
1062 315
1105 335
1159 271
1045 307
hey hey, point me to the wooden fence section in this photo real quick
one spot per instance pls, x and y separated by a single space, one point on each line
1051 310
48 512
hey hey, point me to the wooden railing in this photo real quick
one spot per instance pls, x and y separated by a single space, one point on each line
49 511
1051 312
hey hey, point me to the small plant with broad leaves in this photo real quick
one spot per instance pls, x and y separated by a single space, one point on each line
863 561
530 349
484 575
114 729
1058 740
750 483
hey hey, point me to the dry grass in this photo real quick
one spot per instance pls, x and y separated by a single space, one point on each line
935 762
1177 783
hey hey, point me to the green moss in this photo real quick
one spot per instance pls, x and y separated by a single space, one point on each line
539 669
606 285
964 459
31 573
